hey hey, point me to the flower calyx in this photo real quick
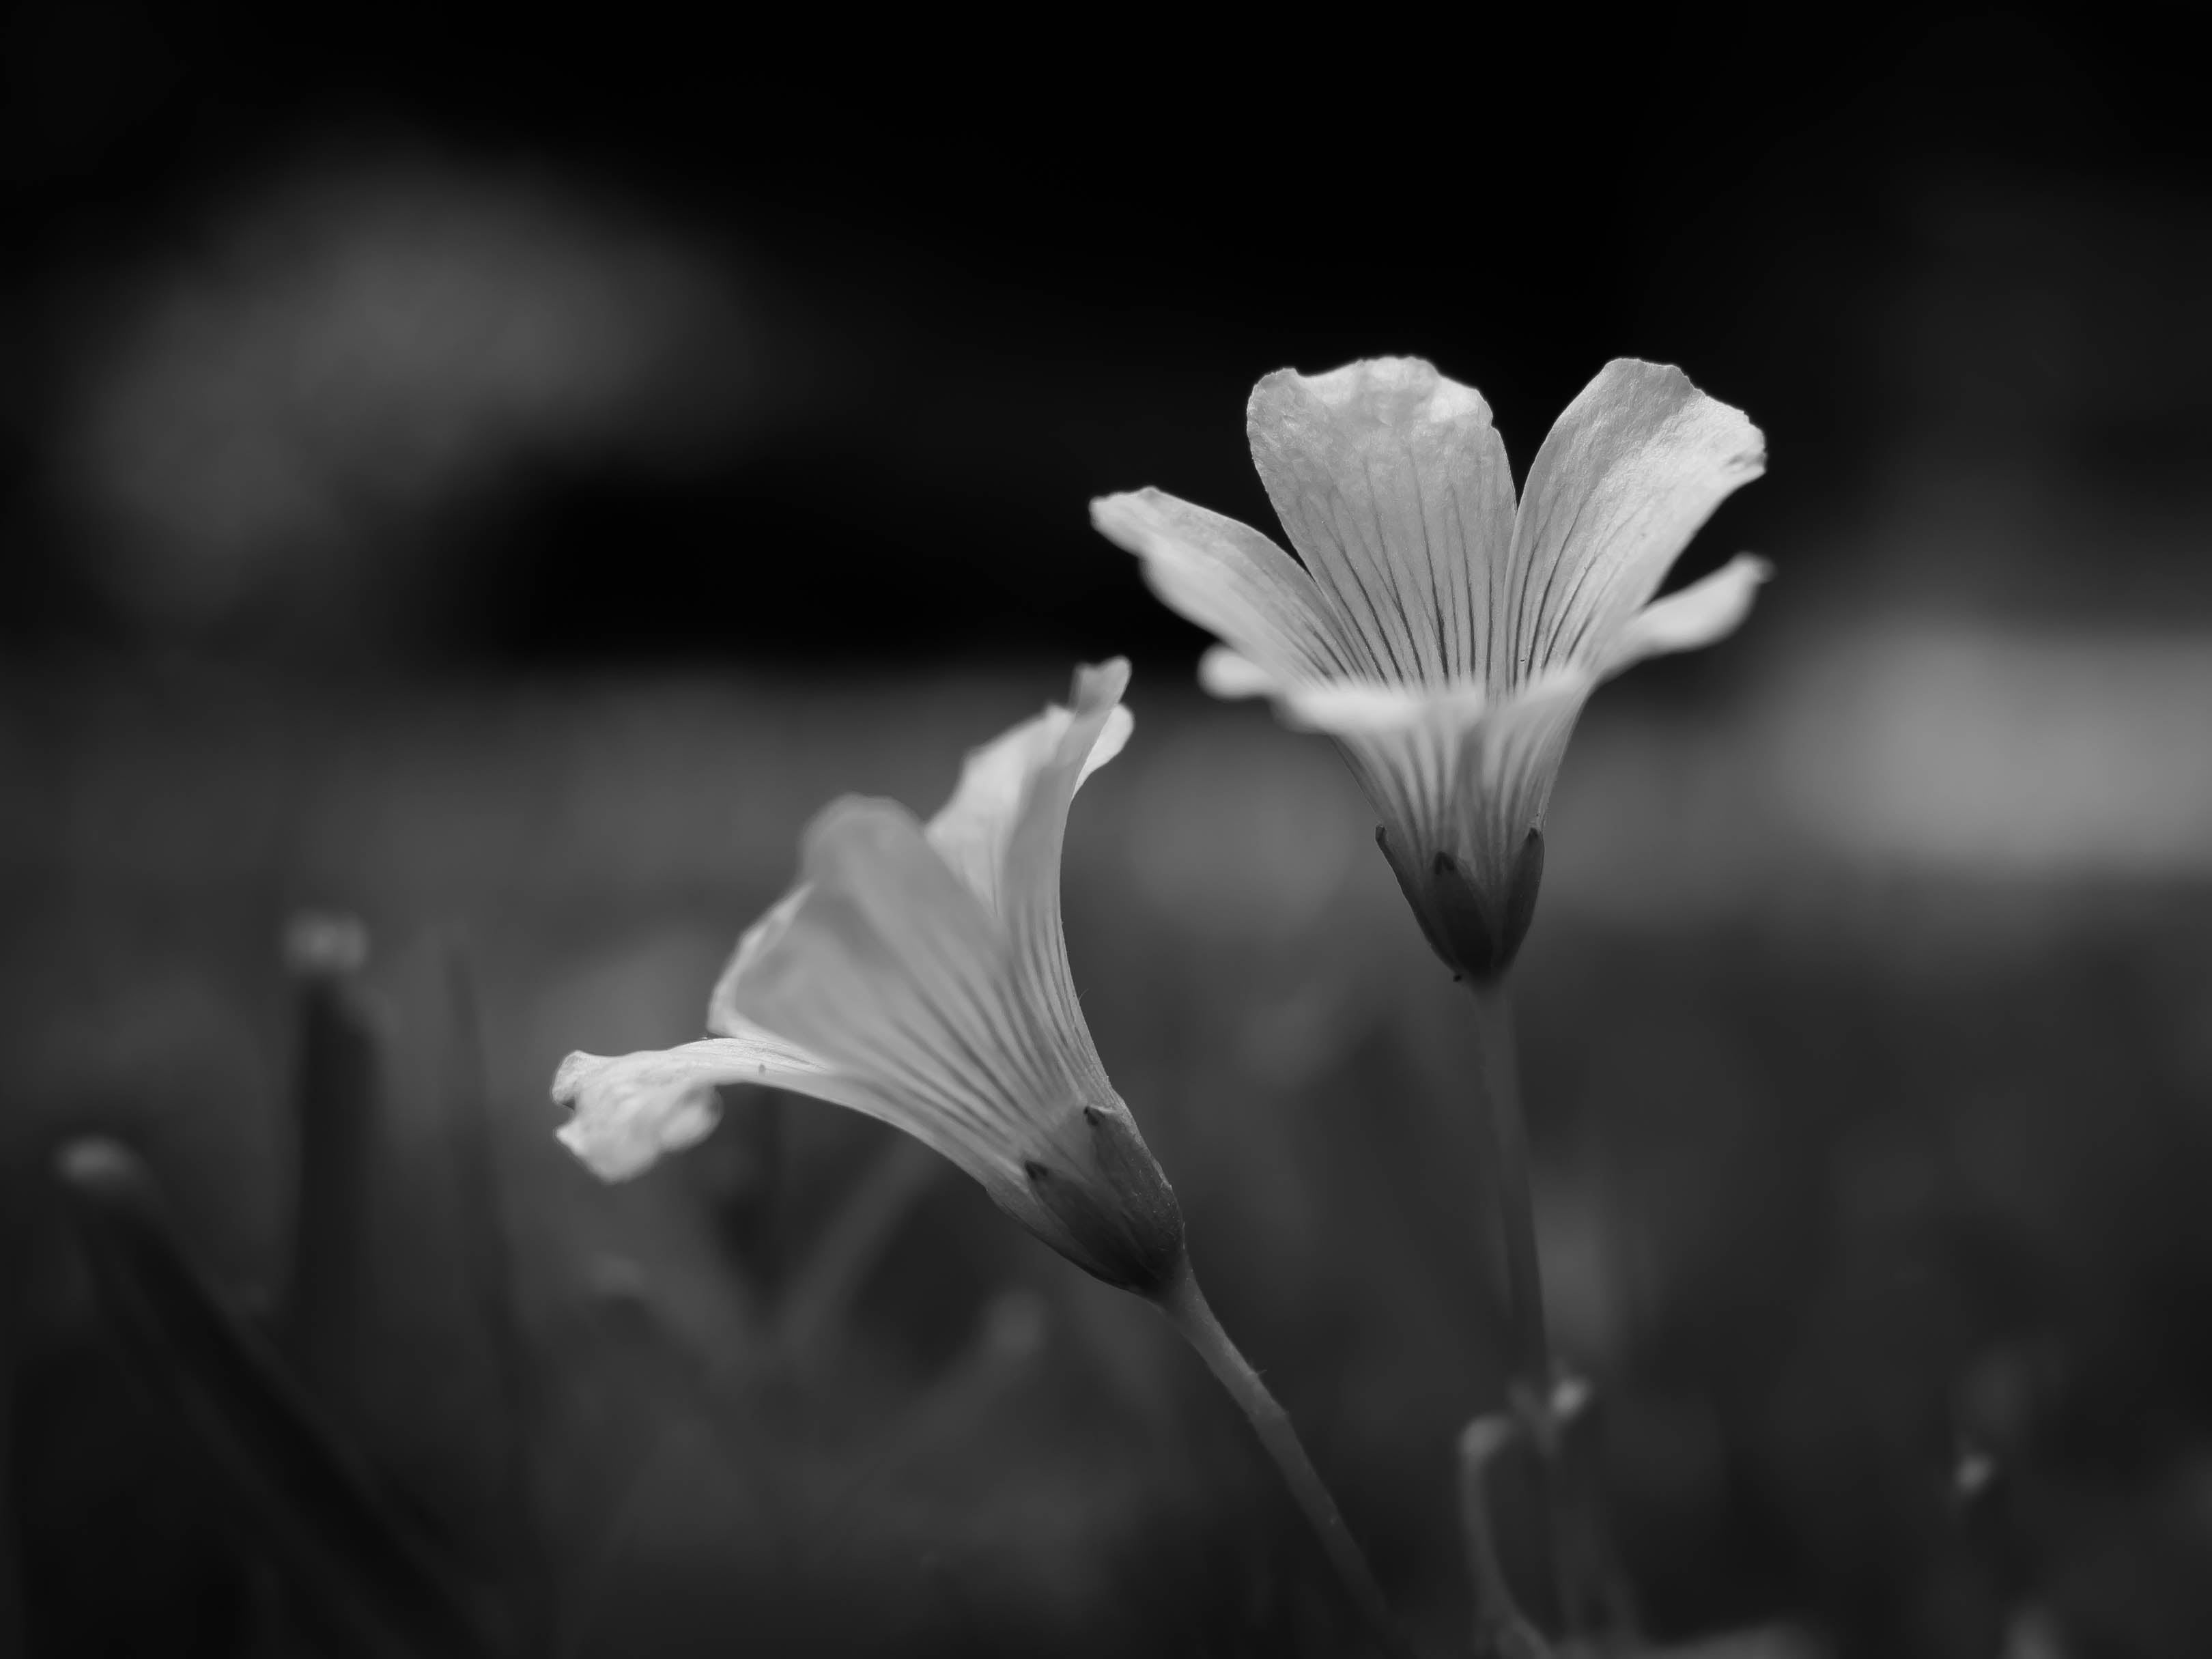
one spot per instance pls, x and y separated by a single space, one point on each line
1102 1202
1474 926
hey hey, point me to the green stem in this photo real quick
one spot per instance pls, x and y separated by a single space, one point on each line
1186 1308
1533 1376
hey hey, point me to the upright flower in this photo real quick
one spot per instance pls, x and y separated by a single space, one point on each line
919 972
1445 639
1448 640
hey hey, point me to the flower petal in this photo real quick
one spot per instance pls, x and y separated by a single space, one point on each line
1463 793
1225 674
1231 579
890 969
1394 487
1635 464
971 831
1029 898
1348 709
722 1015
1505 777
628 1110
1709 609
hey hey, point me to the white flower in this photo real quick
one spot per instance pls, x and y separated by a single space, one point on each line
919 974
1445 639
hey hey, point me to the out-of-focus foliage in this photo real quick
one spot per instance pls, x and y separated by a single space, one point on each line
352 333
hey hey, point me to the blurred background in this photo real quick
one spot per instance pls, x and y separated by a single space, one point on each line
494 476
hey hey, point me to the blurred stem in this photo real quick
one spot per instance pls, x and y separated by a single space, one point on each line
1500 1629
11 1587
357 1577
487 1259
335 1107
1185 1305
1531 1377
1507 1124
823 1290
573 1609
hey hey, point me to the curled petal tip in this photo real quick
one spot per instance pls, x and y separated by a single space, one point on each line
1120 516
1113 738
1226 673
1707 611
1136 520
624 1113
1102 683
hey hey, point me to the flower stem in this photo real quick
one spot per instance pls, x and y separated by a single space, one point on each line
1532 1378
1186 1308
1500 1631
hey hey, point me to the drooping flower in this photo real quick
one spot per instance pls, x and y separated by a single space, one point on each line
919 974
1446 640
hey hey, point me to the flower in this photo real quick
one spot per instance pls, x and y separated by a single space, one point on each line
919 974
1445 639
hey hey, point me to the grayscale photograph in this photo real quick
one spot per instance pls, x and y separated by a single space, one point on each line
1104 835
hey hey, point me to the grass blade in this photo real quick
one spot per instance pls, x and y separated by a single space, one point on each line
819 1297
335 1115
11 1326
488 1257
297 1494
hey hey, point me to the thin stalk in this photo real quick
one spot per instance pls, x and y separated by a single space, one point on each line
1531 1357
485 1261
1532 1375
335 1105
301 1496
1186 1308
15 1232
1500 1630
822 1292
11 1583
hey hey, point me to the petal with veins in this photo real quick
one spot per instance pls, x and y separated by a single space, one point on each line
1709 609
1628 473
920 975
893 972
1505 784
971 831
1394 487
1031 894
927 967
1231 580
1460 794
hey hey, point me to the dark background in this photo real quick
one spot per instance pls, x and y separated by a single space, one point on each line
959 280
497 476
